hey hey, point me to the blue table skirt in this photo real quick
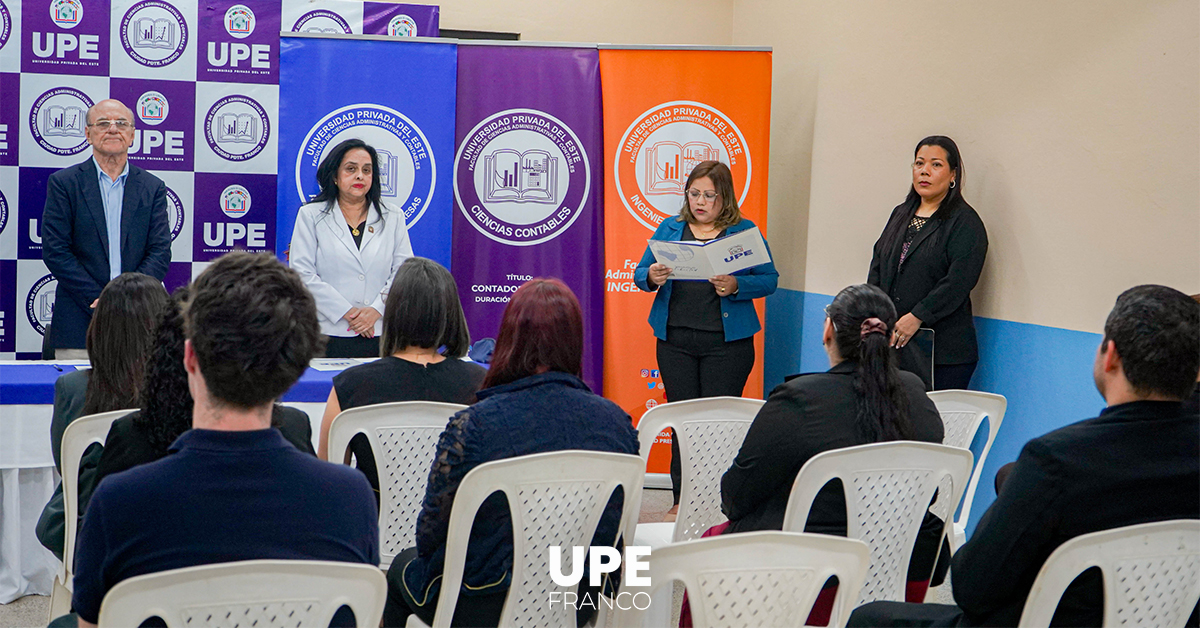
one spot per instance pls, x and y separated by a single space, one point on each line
33 383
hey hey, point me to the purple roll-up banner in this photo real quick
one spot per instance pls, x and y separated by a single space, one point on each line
527 183
400 20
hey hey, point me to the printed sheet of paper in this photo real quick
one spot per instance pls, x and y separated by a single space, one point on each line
692 260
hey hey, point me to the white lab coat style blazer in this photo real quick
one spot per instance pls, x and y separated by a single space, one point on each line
341 275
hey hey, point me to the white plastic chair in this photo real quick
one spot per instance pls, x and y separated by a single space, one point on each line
752 579
259 593
888 488
79 435
556 500
1151 574
710 433
403 437
962 413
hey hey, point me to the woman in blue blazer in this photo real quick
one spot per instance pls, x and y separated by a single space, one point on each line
705 330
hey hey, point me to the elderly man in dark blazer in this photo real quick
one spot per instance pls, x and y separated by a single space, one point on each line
103 217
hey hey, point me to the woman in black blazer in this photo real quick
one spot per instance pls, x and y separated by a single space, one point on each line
927 260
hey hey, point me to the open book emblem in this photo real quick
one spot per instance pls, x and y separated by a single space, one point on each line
63 121
522 177
66 13
155 33
389 167
241 128
669 163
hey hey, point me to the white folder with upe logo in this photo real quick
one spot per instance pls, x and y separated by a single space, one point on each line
694 260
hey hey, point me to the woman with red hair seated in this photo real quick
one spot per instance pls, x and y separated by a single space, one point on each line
533 401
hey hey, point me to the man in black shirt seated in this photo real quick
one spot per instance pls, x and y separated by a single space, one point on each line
1138 462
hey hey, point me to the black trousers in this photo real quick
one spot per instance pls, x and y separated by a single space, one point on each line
351 347
696 364
953 376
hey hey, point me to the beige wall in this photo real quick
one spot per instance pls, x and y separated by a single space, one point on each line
1077 122
697 22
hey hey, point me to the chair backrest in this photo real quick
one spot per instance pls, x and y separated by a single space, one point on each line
556 500
888 488
753 579
403 437
79 435
962 413
1151 574
258 593
710 433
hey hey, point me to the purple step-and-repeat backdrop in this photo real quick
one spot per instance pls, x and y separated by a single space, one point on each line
202 77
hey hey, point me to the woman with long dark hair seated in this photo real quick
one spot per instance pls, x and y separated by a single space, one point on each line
166 406
863 398
424 338
119 339
533 402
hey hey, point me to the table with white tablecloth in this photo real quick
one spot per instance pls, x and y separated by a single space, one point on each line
28 476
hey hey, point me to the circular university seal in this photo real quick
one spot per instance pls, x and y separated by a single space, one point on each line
239 21
66 13
154 33
322 21
175 214
3 212
58 121
407 170
5 24
235 201
153 108
521 177
39 303
402 26
663 145
237 128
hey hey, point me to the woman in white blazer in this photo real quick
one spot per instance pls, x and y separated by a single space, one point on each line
348 254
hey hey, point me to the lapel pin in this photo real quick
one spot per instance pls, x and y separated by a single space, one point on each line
371 229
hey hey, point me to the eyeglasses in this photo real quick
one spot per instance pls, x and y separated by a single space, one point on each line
708 196
104 125
830 317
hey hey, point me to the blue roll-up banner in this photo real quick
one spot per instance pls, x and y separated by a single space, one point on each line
398 96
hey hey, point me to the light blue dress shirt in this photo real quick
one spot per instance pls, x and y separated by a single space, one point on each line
113 195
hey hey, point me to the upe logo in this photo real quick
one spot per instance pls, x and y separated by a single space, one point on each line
5 24
736 251
521 177
175 214
39 303
152 108
239 21
154 33
660 149
407 169
322 21
237 128
601 560
66 13
235 201
58 121
402 26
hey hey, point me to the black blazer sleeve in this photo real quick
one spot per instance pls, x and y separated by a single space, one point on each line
966 248
879 257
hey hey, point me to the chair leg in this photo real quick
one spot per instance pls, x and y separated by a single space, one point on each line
60 600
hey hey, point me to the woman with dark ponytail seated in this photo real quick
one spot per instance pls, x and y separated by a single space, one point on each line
863 398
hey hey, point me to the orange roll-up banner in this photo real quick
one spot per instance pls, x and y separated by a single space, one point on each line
664 112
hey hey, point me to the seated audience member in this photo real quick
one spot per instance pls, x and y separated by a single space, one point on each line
533 402
424 336
166 406
1138 462
863 398
232 489
119 339
1192 403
